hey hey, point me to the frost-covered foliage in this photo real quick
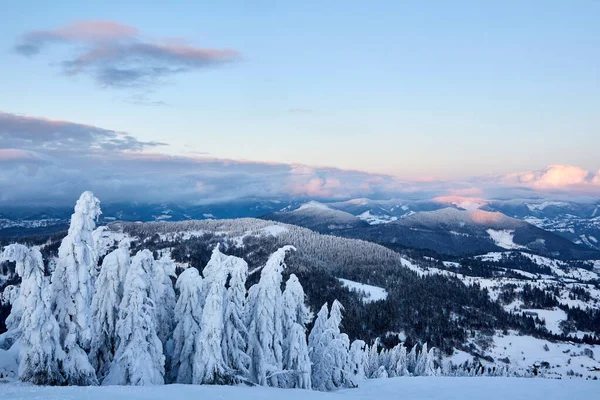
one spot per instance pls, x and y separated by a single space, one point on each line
236 333
264 318
40 351
296 315
188 315
105 307
329 351
357 360
139 358
209 355
10 296
162 272
72 287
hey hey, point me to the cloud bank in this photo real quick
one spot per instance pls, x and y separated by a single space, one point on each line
118 55
51 162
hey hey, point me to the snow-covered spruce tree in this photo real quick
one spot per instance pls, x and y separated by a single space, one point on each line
72 289
296 315
411 362
373 360
188 315
10 296
163 270
139 358
329 353
211 368
236 333
264 317
401 361
421 361
357 359
40 351
430 369
105 307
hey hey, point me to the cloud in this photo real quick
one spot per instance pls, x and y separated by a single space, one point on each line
44 161
118 55
555 177
39 134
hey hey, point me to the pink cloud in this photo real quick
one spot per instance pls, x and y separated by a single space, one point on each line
17 155
556 176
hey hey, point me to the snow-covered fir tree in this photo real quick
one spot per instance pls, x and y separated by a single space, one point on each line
40 351
373 360
264 317
163 270
72 289
10 296
296 315
430 369
236 333
139 358
329 352
411 363
398 361
188 316
357 359
209 359
421 361
105 307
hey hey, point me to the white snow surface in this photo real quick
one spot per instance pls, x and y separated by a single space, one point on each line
372 219
422 388
504 238
313 205
274 230
371 293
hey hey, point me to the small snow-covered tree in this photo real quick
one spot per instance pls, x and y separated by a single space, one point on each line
188 316
72 288
163 270
411 363
209 359
10 296
105 307
357 359
401 361
296 315
429 369
264 318
139 358
40 350
236 333
374 360
421 361
329 353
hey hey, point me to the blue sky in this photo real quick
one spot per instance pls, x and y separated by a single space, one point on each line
432 90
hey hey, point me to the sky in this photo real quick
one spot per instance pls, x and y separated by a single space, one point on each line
189 100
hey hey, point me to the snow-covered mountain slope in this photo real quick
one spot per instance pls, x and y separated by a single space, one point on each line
317 216
427 388
461 232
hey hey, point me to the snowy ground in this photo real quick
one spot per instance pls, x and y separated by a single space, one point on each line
369 293
396 388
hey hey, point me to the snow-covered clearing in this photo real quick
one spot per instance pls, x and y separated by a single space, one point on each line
274 230
372 219
371 293
504 238
425 388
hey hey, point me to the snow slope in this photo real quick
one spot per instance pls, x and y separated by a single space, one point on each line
504 238
425 388
371 293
